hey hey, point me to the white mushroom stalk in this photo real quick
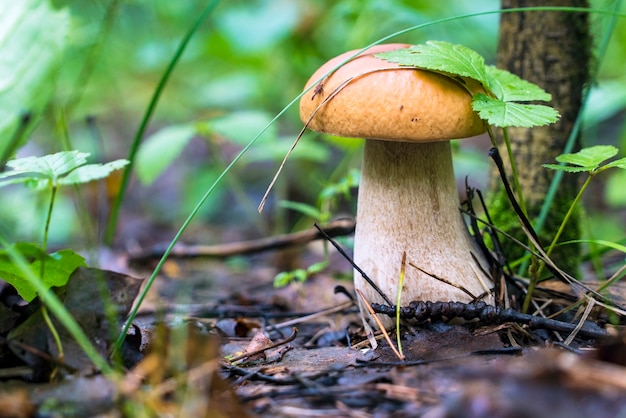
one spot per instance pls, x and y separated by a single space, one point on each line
408 200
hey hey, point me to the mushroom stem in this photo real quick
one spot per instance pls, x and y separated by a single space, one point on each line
408 201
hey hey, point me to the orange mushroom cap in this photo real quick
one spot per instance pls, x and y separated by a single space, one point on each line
378 99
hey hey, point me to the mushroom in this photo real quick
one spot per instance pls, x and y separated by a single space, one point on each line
407 199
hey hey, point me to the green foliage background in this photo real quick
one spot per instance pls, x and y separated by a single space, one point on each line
248 60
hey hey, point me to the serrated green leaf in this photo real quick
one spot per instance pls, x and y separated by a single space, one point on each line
504 114
442 57
17 179
589 157
50 166
91 172
58 267
568 168
621 163
160 149
32 39
62 168
509 87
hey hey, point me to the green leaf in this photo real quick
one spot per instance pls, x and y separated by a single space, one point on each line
32 39
503 114
568 168
50 166
621 163
609 244
58 267
442 57
91 172
160 149
62 168
589 157
303 208
508 87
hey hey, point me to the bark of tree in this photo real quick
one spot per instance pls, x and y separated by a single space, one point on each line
552 50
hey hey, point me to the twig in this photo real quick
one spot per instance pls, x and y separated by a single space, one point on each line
339 227
315 315
353 264
487 314
289 339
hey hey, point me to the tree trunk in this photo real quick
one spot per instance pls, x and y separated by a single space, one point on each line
552 50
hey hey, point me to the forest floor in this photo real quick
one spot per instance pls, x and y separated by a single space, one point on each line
219 340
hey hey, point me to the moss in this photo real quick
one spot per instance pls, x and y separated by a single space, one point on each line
567 257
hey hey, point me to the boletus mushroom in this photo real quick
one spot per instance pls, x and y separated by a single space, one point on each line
407 200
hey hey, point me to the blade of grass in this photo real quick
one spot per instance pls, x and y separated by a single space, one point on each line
115 208
399 303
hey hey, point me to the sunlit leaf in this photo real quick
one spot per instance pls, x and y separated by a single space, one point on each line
91 172
442 57
503 114
51 166
62 168
589 157
161 149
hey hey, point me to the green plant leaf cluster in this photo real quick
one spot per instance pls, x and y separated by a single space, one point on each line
58 267
501 105
589 160
62 168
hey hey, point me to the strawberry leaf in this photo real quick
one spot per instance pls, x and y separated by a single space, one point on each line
441 57
589 157
568 168
499 113
508 87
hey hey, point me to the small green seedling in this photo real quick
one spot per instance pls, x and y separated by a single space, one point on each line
48 173
326 199
592 160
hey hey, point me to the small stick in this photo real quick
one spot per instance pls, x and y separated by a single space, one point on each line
353 264
487 314
339 227
269 347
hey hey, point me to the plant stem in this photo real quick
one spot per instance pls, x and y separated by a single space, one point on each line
514 172
46 230
42 271
566 218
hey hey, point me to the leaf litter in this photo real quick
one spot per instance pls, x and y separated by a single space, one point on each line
187 357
